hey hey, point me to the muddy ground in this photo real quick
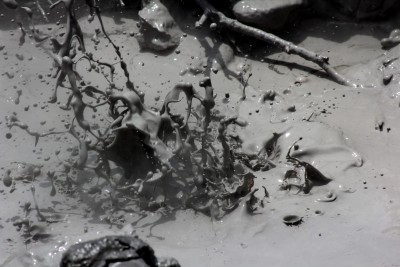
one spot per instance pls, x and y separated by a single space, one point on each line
354 220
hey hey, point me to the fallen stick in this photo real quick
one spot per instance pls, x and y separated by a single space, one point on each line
224 22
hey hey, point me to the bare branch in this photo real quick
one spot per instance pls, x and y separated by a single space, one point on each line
224 22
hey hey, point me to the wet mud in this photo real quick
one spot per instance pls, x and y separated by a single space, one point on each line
144 119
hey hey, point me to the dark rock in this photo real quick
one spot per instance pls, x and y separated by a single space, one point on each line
266 14
158 30
12 4
356 9
113 251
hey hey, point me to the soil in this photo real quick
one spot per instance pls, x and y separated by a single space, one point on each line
349 135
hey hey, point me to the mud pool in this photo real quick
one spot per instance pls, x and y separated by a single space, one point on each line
215 148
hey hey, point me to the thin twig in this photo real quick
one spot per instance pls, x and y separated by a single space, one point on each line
224 22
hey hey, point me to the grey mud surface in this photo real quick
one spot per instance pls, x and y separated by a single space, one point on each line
352 221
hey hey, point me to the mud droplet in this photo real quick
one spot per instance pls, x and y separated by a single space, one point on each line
8 135
291 108
319 212
53 191
19 57
387 79
17 99
10 75
7 180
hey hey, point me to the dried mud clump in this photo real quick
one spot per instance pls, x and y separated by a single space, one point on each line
127 250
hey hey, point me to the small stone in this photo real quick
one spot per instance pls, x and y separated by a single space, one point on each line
269 15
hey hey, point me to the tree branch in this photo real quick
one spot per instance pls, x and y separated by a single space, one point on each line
224 22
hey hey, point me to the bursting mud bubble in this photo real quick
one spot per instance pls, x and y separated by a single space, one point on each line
196 130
